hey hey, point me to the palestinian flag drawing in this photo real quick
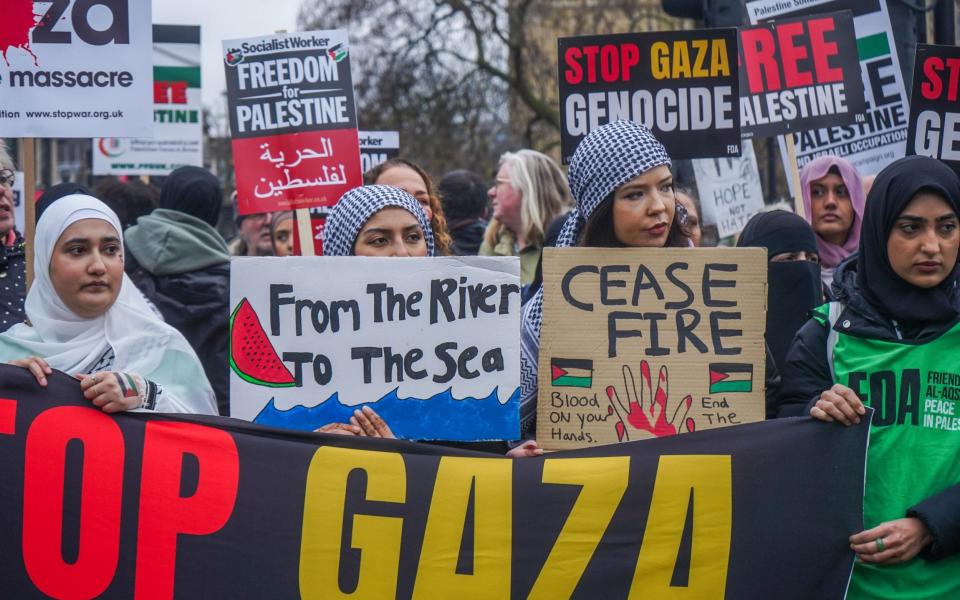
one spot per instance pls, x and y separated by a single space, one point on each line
571 372
731 377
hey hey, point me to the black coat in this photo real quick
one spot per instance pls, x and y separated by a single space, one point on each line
806 374
197 304
467 236
13 283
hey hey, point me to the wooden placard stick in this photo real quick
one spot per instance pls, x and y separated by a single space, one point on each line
305 232
794 175
28 164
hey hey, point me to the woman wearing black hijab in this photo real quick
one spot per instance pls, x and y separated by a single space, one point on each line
793 274
890 342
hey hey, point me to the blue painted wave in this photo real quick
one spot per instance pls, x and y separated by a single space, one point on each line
441 417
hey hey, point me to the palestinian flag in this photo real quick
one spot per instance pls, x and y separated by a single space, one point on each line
731 377
177 110
571 372
337 53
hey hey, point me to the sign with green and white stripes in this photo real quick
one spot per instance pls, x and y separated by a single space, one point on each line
177 112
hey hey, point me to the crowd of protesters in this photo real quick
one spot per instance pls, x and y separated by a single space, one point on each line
866 281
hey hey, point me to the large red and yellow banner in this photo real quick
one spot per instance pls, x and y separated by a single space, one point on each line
163 506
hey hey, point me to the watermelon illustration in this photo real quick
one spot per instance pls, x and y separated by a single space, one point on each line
252 356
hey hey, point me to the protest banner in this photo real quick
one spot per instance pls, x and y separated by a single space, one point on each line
293 120
150 505
378 147
177 112
799 74
682 85
935 101
431 344
729 190
649 342
71 71
880 138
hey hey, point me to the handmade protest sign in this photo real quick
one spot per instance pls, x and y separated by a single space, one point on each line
935 100
680 84
178 506
177 112
75 68
799 74
879 138
649 342
378 147
293 120
431 344
729 190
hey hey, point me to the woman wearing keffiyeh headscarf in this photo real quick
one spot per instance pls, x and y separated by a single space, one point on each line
381 220
890 342
620 178
833 200
378 220
375 220
89 320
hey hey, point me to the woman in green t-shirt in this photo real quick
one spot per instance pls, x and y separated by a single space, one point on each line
890 342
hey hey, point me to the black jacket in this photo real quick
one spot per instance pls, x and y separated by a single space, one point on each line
13 283
467 236
806 374
197 305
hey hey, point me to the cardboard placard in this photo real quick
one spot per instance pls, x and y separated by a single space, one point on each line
177 112
649 342
679 84
378 147
75 69
293 120
935 100
729 190
432 344
879 139
799 74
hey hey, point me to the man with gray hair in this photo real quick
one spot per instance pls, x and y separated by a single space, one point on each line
13 267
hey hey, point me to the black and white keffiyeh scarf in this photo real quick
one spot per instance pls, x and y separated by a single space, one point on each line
607 158
357 206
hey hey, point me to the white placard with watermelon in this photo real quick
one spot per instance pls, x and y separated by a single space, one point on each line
431 344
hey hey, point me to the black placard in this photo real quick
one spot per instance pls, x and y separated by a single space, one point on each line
683 85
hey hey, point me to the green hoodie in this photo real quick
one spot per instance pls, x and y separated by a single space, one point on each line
170 242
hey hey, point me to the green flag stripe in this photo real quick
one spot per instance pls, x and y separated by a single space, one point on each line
189 74
873 46
570 381
731 386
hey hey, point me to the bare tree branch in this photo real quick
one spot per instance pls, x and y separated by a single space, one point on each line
464 80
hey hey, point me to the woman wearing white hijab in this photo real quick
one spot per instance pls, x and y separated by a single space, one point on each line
88 320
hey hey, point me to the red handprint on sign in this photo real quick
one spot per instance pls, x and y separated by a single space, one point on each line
647 411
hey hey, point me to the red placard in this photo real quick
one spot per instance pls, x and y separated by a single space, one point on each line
292 119
296 170
317 222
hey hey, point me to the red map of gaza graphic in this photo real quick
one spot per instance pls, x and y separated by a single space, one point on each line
15 26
